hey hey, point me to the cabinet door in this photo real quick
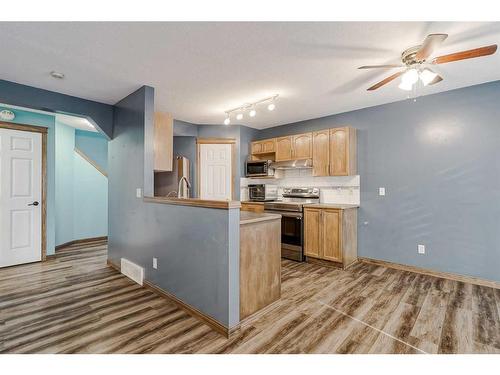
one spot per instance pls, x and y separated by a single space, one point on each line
283 148
331 235
268 145
302 146
321 153
312 232
252 207
163 142
256 147
338 152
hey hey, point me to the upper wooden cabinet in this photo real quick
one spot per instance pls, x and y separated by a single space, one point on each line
291 147
321 153
334 152
284 148
268 145
302 146
265 146
343 151
331 234
163 142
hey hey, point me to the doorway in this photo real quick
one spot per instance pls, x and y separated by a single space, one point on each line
215 168
23 151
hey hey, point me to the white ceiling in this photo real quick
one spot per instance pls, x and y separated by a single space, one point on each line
201 69
75 122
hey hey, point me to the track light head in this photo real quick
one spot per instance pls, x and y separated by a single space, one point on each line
227 121
271 106
239 116
252 112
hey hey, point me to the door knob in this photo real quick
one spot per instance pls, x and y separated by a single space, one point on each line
35 203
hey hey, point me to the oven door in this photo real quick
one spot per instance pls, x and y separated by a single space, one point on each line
291 235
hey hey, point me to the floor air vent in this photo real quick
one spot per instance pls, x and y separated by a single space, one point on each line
132 271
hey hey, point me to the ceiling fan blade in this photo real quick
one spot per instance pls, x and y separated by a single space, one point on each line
385 81
463 55
431 42
435 80
386 66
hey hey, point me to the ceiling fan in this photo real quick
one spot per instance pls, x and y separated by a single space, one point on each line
415 64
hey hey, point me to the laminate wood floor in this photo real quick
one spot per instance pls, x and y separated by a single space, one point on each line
75 303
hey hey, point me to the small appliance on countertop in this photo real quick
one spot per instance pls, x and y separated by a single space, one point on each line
292 227
262 192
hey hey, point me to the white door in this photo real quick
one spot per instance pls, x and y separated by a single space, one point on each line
215 171
20 197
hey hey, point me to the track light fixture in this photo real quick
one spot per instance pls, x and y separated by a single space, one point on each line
251 108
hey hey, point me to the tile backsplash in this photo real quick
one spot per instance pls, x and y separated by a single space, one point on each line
338 189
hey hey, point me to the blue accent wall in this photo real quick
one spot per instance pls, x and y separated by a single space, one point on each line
439 160
94 145
81 190
48 121
65 144
31 97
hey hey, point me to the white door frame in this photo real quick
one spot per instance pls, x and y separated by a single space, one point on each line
43 131
232 142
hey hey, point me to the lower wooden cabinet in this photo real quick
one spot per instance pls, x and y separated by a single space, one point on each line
312 220
330 234
252 206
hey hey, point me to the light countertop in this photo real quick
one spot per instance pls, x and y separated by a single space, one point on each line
331 205
247 217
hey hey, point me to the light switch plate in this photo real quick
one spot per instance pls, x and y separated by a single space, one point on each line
381 191
138 193
155 263
421 249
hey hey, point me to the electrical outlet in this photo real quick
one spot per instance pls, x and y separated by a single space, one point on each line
421 249
138 192
381 191
155 263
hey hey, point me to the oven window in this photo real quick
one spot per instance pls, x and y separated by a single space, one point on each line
257 192
291 231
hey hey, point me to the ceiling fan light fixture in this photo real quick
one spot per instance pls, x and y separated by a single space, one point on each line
427 76
405 86
410 76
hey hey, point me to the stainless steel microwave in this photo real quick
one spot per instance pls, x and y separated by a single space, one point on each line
259 168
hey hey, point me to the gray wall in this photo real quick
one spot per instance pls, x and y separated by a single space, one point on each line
242 134
197 248
186 146
32 97
246 136
439 160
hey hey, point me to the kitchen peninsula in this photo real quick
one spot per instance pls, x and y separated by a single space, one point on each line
259 256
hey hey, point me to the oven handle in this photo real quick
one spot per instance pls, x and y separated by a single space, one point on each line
295 215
